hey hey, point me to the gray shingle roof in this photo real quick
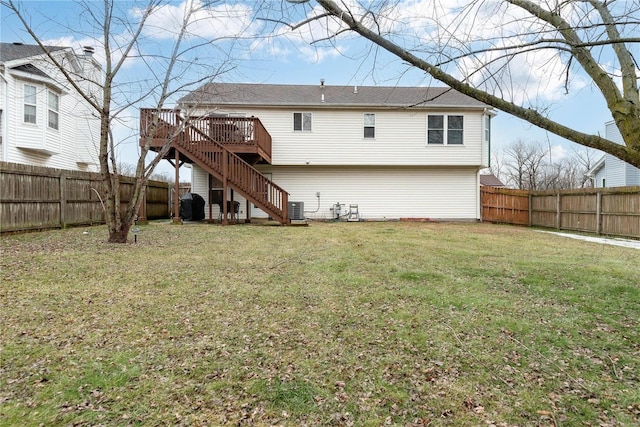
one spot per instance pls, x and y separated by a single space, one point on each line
334 96
13 51
490 180
31 69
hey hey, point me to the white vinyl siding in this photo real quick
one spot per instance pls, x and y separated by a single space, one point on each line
337 139
618 173
381 193
61 129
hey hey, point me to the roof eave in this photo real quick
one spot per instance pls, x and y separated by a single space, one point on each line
22 75
334 105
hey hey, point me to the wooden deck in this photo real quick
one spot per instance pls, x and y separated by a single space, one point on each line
222 146
244 136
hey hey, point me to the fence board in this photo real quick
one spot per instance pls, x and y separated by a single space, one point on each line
505 206
610 211
35 197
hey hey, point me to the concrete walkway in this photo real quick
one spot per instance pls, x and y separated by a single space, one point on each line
627 243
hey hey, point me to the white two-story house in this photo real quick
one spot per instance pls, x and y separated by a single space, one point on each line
43 120
394 152
610 171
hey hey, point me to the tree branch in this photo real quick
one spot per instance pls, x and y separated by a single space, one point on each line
628 153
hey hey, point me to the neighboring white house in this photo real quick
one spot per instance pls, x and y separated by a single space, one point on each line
610 171
395 152
43 119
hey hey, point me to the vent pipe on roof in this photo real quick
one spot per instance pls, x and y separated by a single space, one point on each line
321 82
355 89
88 51
322 98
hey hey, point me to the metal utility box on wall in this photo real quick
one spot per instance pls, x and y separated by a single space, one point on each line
296 211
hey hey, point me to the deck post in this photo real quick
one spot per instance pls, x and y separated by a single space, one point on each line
225 172
210 198
233 207
176 198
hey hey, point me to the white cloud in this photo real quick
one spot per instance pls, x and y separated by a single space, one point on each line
117 44
222 21
312 43
460 35
557 153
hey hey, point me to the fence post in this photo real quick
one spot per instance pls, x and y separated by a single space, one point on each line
559 212
530 209
63 199
599 212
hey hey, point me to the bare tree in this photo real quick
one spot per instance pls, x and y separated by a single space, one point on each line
586 158
480 47
523 163
527 166
120 30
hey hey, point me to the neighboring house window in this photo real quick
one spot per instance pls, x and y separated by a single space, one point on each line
54 107
30 100
302 122
369 125
487 128
604 182
445 130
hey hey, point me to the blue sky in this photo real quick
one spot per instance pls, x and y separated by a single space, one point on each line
289 58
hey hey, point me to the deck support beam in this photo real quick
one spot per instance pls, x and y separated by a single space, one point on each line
176 190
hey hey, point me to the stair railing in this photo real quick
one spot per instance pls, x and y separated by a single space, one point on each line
229 167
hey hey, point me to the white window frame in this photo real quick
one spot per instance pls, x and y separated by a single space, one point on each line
30 100
445 130
487 128
305 125
53 111
367 124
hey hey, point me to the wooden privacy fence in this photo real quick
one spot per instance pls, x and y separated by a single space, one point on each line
35 197
610 211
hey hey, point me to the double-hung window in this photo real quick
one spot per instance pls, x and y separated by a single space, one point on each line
30 101
369 125
302 122
53 103
445 130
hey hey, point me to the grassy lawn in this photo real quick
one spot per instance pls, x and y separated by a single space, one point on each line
360 324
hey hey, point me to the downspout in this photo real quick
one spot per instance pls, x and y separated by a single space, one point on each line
5 115
478 198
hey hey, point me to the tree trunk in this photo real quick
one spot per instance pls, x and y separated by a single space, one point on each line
119 236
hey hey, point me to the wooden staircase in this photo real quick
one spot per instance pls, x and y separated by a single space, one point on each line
212 156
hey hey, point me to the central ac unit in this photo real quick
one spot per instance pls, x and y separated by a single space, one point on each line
296 211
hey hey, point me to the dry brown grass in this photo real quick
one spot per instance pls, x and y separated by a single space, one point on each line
332 324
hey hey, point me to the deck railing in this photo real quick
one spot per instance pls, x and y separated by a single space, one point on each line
239 131
201 145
